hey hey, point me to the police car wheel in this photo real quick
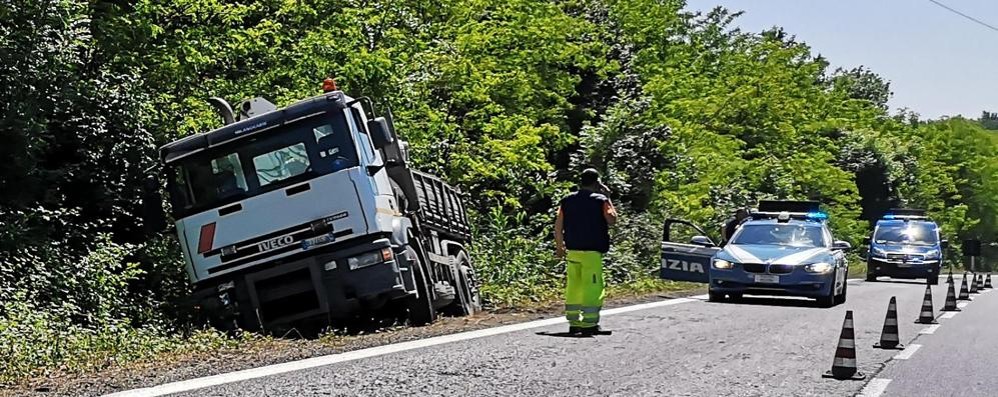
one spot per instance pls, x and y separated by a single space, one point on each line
870 277
715 296
841 298
934 280
828 300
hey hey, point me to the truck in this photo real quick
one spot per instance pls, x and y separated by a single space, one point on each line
311 214
905 244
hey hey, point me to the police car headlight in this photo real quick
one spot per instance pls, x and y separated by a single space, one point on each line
818 268
934 254
879 252
722 264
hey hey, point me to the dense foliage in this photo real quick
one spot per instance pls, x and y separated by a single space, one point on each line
687 116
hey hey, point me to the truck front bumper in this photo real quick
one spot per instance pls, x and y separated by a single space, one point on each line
320 285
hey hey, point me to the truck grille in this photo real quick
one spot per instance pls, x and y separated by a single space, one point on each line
247 251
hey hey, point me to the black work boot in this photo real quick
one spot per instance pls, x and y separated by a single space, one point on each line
595 331
575 331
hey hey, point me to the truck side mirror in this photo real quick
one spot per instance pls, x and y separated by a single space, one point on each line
381 135
153 214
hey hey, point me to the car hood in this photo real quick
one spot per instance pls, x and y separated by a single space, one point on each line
906 249
780 255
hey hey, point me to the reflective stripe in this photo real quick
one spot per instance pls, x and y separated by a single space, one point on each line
891 321
844 362
573 308
847 343
591 309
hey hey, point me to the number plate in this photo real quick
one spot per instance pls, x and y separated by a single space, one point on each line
767 279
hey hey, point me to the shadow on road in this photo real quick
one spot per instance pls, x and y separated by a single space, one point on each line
771 301
562 335
904 281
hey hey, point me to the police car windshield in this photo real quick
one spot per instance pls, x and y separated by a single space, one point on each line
780 234
910 233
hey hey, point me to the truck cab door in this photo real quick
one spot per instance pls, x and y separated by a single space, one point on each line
686 252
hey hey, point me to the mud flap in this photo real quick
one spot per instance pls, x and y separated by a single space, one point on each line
686 261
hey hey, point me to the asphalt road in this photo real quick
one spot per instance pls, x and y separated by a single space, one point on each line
956 360
760 347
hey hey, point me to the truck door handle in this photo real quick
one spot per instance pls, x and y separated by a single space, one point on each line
291 191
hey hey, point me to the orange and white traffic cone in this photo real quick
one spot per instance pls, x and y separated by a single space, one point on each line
889 338
973 284
987 282
844 364
951 300
964 292
926 316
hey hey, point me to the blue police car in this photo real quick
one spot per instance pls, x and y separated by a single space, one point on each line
784 249
905 244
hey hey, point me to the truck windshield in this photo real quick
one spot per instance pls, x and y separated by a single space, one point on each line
911 233
780 234
300 151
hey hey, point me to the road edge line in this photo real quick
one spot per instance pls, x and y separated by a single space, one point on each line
874 388
291 366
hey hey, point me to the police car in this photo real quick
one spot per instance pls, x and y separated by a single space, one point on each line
785 248
905 244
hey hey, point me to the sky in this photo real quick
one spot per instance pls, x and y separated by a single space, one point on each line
938 63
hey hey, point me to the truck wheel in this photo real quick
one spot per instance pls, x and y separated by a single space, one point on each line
420 307
469 299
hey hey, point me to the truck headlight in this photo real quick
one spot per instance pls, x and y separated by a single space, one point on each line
934 254
370 258
722 264
818 268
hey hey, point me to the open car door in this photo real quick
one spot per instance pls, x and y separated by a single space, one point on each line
686 252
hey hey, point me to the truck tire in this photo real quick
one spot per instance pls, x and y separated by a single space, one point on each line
420 307
469 299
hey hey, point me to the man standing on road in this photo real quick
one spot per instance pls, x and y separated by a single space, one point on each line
732 224
582 234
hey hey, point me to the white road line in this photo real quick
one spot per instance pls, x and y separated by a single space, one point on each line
199 383
930 329
907 352
962 304
701 297
949 315
875 388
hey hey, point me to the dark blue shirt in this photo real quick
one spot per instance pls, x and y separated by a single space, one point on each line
583 222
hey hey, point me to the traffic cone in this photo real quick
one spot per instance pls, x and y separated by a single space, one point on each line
889 338
926 316
964 292
980 282
951 300
949 278
987 282
973 284
844 364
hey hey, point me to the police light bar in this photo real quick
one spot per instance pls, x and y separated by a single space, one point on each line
803 207
905 214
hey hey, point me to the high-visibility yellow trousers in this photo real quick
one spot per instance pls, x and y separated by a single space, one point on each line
584 288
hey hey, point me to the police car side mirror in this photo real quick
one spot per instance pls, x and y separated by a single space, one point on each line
841 246
702 240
